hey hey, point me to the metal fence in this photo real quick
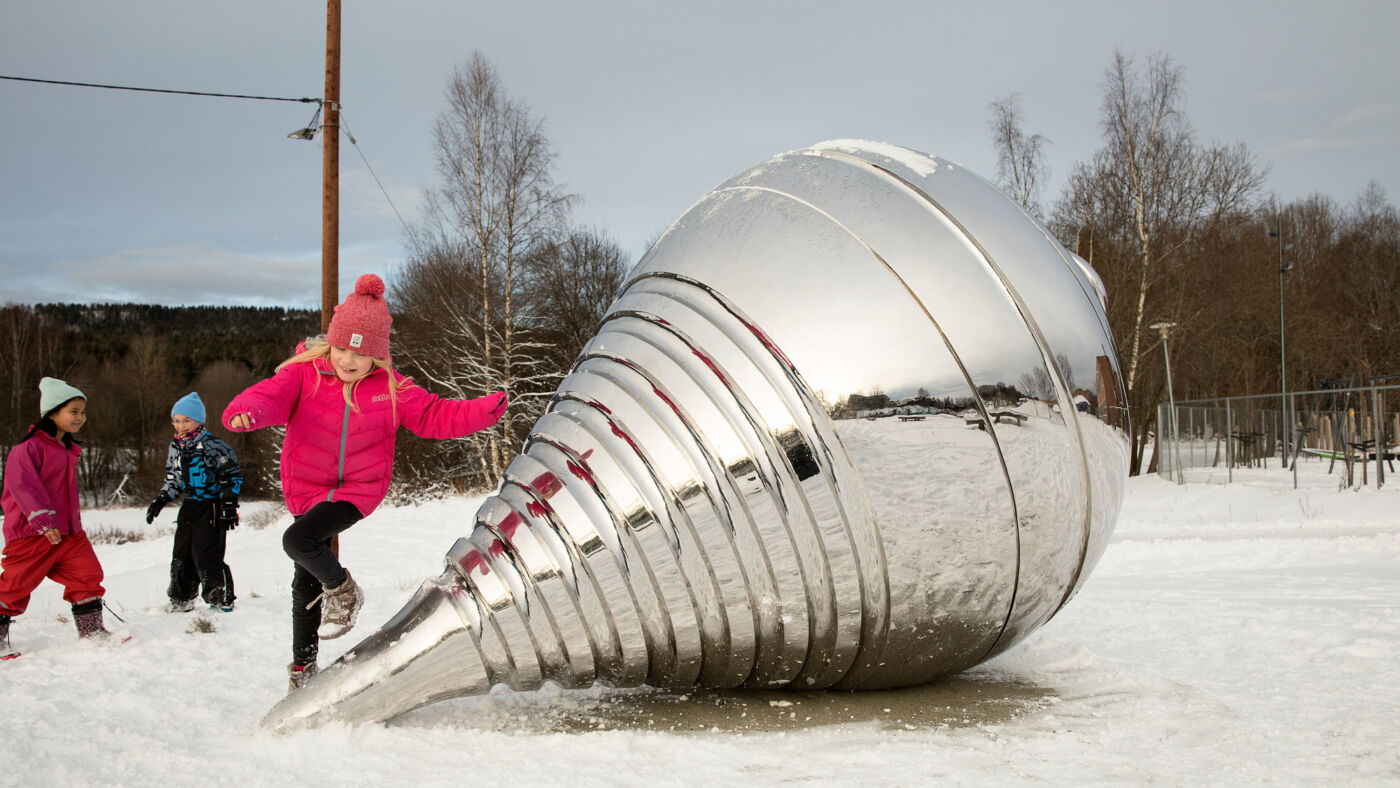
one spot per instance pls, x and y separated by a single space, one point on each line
1355 430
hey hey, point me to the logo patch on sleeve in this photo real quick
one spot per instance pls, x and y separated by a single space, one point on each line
356 340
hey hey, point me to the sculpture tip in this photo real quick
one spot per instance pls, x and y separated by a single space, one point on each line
425 653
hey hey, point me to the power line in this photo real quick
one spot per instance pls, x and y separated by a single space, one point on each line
311 128
382 190
160 90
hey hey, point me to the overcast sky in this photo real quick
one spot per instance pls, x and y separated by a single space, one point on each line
121 196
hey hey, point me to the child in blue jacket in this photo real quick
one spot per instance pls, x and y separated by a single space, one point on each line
205 470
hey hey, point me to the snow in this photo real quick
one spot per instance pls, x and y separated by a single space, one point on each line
918 163
1231 634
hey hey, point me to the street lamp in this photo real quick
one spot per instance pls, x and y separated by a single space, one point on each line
1164 329
1287 421
309 132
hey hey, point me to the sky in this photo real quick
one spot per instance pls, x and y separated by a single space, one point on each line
123 196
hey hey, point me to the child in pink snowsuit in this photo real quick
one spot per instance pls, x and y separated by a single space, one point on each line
44 534
342 404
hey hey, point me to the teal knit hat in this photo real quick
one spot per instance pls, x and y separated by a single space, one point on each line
190 406
54 392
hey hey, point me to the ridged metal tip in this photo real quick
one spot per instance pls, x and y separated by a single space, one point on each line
720 493
410 661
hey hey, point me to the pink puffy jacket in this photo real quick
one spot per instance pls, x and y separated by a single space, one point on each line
332 452
41 488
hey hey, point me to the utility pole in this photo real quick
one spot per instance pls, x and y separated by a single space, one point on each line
1285 417
330 170
330 182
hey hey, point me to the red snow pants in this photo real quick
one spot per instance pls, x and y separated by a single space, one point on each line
71 563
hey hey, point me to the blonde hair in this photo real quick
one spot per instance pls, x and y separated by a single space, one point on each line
318 347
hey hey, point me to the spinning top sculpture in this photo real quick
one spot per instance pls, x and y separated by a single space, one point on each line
724 491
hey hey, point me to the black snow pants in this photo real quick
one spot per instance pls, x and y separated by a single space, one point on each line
307 542
198 556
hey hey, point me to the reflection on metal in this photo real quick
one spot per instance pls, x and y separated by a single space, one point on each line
719 494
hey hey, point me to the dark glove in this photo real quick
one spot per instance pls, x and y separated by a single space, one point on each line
155 507
226 514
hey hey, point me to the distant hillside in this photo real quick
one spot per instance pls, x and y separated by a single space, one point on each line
197 336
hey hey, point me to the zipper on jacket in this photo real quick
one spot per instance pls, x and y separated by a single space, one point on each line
340 470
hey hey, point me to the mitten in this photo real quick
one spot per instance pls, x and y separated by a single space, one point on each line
155 507
498 406
226 513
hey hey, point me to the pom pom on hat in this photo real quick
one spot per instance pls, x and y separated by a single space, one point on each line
189 406
361 322
53 393
370 285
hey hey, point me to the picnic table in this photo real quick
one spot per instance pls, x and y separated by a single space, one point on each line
997 416
1367 448
1247 441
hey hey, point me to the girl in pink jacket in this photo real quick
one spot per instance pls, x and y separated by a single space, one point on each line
338 455
44 534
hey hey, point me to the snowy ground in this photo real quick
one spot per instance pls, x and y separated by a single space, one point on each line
1231 635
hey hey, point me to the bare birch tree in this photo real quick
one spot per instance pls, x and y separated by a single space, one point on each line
1151 185
1143 200
467 329
1021 167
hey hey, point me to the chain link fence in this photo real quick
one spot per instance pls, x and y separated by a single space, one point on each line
1355 430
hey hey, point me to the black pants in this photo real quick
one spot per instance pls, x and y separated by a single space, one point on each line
307 542
198 556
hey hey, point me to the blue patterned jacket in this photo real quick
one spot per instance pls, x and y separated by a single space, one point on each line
202 468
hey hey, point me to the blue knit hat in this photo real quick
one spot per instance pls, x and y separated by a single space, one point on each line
189 406
53 393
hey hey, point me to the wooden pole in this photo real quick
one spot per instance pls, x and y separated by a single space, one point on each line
330 182
330 170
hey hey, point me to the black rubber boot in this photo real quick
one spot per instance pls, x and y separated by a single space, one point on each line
6 651
88 617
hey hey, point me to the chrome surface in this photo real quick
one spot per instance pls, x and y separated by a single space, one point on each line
721 492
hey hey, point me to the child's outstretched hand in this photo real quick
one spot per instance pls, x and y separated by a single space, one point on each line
242 421
496 406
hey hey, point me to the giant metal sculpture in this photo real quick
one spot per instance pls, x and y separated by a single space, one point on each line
855 421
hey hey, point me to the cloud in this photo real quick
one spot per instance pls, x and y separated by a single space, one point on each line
186 274
1370 114
1310 145
1367 125
361 196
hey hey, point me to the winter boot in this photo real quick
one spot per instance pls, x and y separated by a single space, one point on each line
88 617
6 651
219 598
177 591
339 607
298 675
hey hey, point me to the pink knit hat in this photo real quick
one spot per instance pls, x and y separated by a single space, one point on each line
361 322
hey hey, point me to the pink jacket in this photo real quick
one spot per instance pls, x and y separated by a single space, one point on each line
332 452
41 488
